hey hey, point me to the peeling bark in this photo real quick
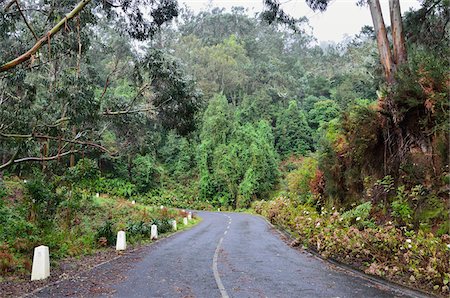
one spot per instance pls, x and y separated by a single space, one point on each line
398 37
382 41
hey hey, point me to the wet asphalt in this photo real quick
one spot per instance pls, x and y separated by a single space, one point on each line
251 261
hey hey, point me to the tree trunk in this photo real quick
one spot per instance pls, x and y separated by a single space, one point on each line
398 38
382 40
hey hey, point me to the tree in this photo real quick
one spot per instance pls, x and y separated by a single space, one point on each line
139 27
390 61
292 132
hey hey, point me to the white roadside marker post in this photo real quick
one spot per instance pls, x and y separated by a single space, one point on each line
154 232
174 224
121 243
97 195
190 216
41 263
185 221
133 202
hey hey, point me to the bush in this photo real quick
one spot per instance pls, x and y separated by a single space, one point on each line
115 187
107 233
417 258
84 173
299 181
401 211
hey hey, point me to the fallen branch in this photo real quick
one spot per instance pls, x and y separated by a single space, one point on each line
27 55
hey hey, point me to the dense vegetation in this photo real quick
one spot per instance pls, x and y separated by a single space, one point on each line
222 109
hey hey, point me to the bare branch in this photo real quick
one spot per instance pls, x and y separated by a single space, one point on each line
108 77
9 162
44 137
109 113
25 20
24 159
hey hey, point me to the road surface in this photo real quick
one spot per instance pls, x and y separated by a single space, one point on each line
226 255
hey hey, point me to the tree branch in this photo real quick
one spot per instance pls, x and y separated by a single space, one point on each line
25 56
129 111
33 136
25 20
109 113
9 162
107 78
14 161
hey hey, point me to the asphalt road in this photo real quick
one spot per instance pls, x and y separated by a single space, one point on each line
237 255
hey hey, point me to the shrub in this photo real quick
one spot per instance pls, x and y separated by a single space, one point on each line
401 210
299 181
106 232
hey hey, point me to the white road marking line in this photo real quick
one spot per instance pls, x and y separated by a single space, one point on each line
219 283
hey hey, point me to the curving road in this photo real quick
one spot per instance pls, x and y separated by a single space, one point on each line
226 255
238 255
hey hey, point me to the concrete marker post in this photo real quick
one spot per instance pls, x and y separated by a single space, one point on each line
41 263
154 232
190 216
185 221
133 202
174 224
121 243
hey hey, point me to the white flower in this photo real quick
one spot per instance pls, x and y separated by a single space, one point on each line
318 224
408 240
358 218
332 208
389 222
409 246
448 246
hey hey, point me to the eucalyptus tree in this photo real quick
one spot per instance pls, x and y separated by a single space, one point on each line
62 88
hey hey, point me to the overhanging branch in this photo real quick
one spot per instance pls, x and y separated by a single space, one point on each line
24 159
27 55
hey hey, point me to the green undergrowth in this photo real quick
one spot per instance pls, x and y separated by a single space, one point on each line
391 250
71 223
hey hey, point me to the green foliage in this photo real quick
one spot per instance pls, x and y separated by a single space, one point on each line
145 172
360 215
401 211
299 180
106 231
292 132
115 187
84 172
382 250
236 162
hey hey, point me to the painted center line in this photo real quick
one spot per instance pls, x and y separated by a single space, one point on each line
219 283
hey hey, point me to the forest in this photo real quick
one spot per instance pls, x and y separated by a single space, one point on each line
346 145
